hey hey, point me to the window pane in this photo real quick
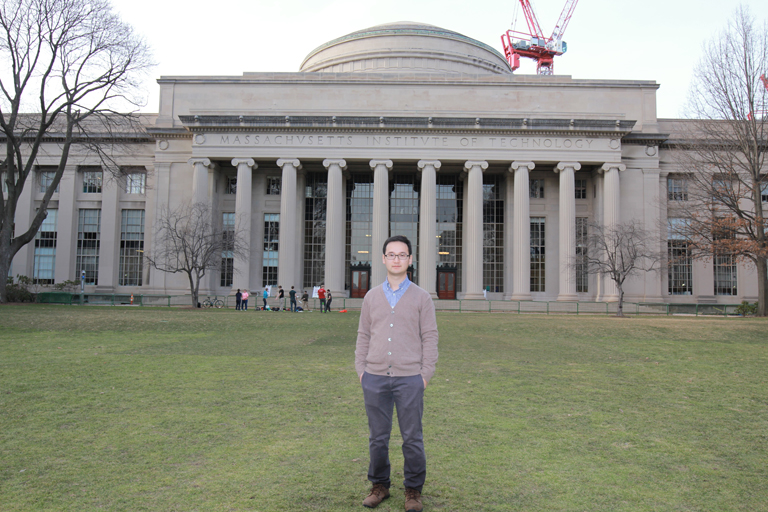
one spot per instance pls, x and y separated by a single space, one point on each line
493 233
227 257
45 249
680 274
538 254
231 185
450 208
725 274
582 278
135 183
273 185
88 245
131 247
46 179
677 189
92 181
537 189
271 248
315 206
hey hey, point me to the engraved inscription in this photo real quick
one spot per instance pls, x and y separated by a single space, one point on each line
404 141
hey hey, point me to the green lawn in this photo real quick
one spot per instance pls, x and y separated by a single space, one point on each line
118 408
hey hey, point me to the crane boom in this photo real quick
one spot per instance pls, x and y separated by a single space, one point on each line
565 18
530 18
534 44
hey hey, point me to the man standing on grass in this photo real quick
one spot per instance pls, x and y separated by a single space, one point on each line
321 296
292 293
395 357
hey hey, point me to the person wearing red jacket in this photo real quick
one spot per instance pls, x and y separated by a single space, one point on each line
321 296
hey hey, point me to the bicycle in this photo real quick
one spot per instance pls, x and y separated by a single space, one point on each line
217 303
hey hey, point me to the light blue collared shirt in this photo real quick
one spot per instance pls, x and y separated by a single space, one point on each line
395 295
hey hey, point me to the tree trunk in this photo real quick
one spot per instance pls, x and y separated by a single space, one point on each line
762 287
3 282
193 288
620 307
6 257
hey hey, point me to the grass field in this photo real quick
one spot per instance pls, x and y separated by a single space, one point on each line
110 408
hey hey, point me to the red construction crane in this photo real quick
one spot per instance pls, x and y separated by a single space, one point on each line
534 44
762 113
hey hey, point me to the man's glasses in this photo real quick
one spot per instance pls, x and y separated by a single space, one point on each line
392 256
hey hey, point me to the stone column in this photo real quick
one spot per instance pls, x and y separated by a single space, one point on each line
654 204
301 202
335 227
597 290
243 199
473 223
109 247
509 215
286 262
150 221
521 232
157 201
380 231
428 226
567 227
611 214
67 228
24 261
200 179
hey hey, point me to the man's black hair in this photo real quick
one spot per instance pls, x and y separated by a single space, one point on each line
397 238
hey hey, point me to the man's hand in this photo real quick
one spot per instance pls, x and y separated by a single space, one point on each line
361 378
425 382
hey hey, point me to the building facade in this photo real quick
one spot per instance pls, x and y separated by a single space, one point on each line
398 129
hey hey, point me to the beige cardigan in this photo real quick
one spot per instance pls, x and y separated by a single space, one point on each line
399 341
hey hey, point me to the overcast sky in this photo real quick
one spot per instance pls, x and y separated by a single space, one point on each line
658 40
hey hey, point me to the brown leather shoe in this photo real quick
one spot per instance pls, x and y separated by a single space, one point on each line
412 500
378 494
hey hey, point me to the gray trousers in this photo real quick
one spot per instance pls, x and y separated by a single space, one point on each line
381 393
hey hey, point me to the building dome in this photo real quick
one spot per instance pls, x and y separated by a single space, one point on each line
406 47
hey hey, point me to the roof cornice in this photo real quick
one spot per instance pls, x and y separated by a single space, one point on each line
233 123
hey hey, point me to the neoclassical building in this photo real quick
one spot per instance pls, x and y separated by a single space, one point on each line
402 128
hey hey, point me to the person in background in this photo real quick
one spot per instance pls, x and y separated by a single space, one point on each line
305 298
292 293
244 305
321 296
238 300
328 299
266 296
280 298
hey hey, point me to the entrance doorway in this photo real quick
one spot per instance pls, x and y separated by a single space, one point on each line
360 279
446 284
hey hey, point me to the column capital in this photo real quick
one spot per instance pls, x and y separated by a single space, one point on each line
250 162
608 166
567 165
471 164
436 164
335 161
293 162
517 165
376 163
202 161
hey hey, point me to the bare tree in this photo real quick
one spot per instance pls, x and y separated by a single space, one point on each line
188 241
722 190
618 252
66 64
